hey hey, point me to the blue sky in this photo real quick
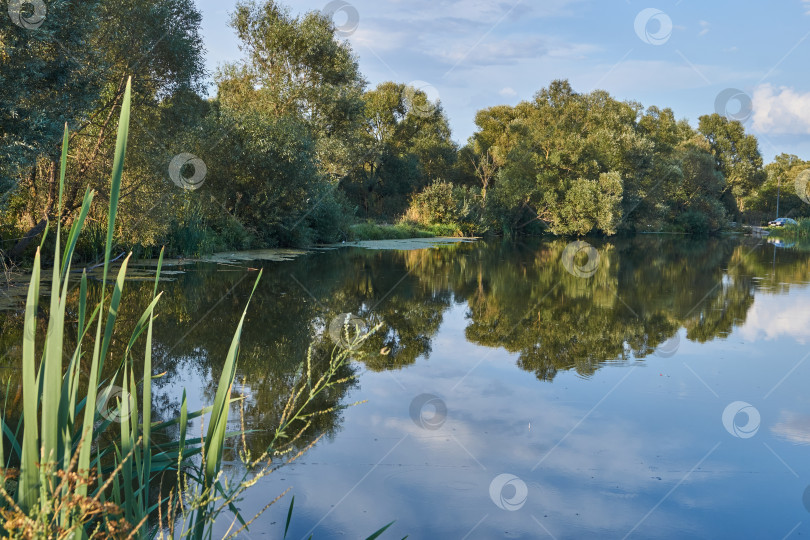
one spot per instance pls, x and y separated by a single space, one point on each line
681 54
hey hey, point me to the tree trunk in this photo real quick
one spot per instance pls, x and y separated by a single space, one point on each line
17 251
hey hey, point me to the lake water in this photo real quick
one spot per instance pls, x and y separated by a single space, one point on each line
648 387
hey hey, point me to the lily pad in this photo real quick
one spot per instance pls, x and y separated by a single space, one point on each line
275 255
408 244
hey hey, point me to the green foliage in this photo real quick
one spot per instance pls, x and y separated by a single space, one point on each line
736 154
435 204
782 176
404 145
580 163
297 67
295 145
798 232
442 203
400 231
86 457
73 70
561 159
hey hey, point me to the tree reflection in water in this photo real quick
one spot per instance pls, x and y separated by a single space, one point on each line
518 296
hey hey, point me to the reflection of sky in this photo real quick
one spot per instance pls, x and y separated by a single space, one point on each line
779 316
794 427
639 447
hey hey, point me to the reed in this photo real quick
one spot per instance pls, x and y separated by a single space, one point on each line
57 480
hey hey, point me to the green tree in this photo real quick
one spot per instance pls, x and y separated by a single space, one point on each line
78 63
782 174
405 145
297 67
737 156
563 159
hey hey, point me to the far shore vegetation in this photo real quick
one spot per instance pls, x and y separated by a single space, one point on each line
800 231
296 149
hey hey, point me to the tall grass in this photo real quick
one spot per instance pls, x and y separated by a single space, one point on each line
58 478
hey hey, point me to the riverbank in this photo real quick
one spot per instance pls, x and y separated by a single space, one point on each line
401 231
799 231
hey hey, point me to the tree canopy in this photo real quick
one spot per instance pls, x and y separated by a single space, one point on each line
295 148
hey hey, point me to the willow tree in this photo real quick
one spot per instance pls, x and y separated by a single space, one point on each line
296 66
405 145
737 155
73 69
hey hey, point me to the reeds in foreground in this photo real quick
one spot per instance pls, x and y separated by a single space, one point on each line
56 480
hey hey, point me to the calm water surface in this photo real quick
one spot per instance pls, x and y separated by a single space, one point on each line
657 390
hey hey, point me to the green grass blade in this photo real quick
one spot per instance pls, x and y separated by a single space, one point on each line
183 421
76 229
29 474
112 315
289 516
62 171
99 348
219 412
83 328
378 533
117 173
215 438
141 325
89 401
15 445
51 376
127 445
147 397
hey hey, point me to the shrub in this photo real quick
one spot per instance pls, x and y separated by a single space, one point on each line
442 203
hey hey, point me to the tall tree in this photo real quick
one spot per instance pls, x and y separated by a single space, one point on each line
565 158
737 156
297 66
406 144
82 60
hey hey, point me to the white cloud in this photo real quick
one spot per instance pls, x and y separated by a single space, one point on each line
380 40
704 28
492 53
508 92
773 317
807 6
781 110
794 427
